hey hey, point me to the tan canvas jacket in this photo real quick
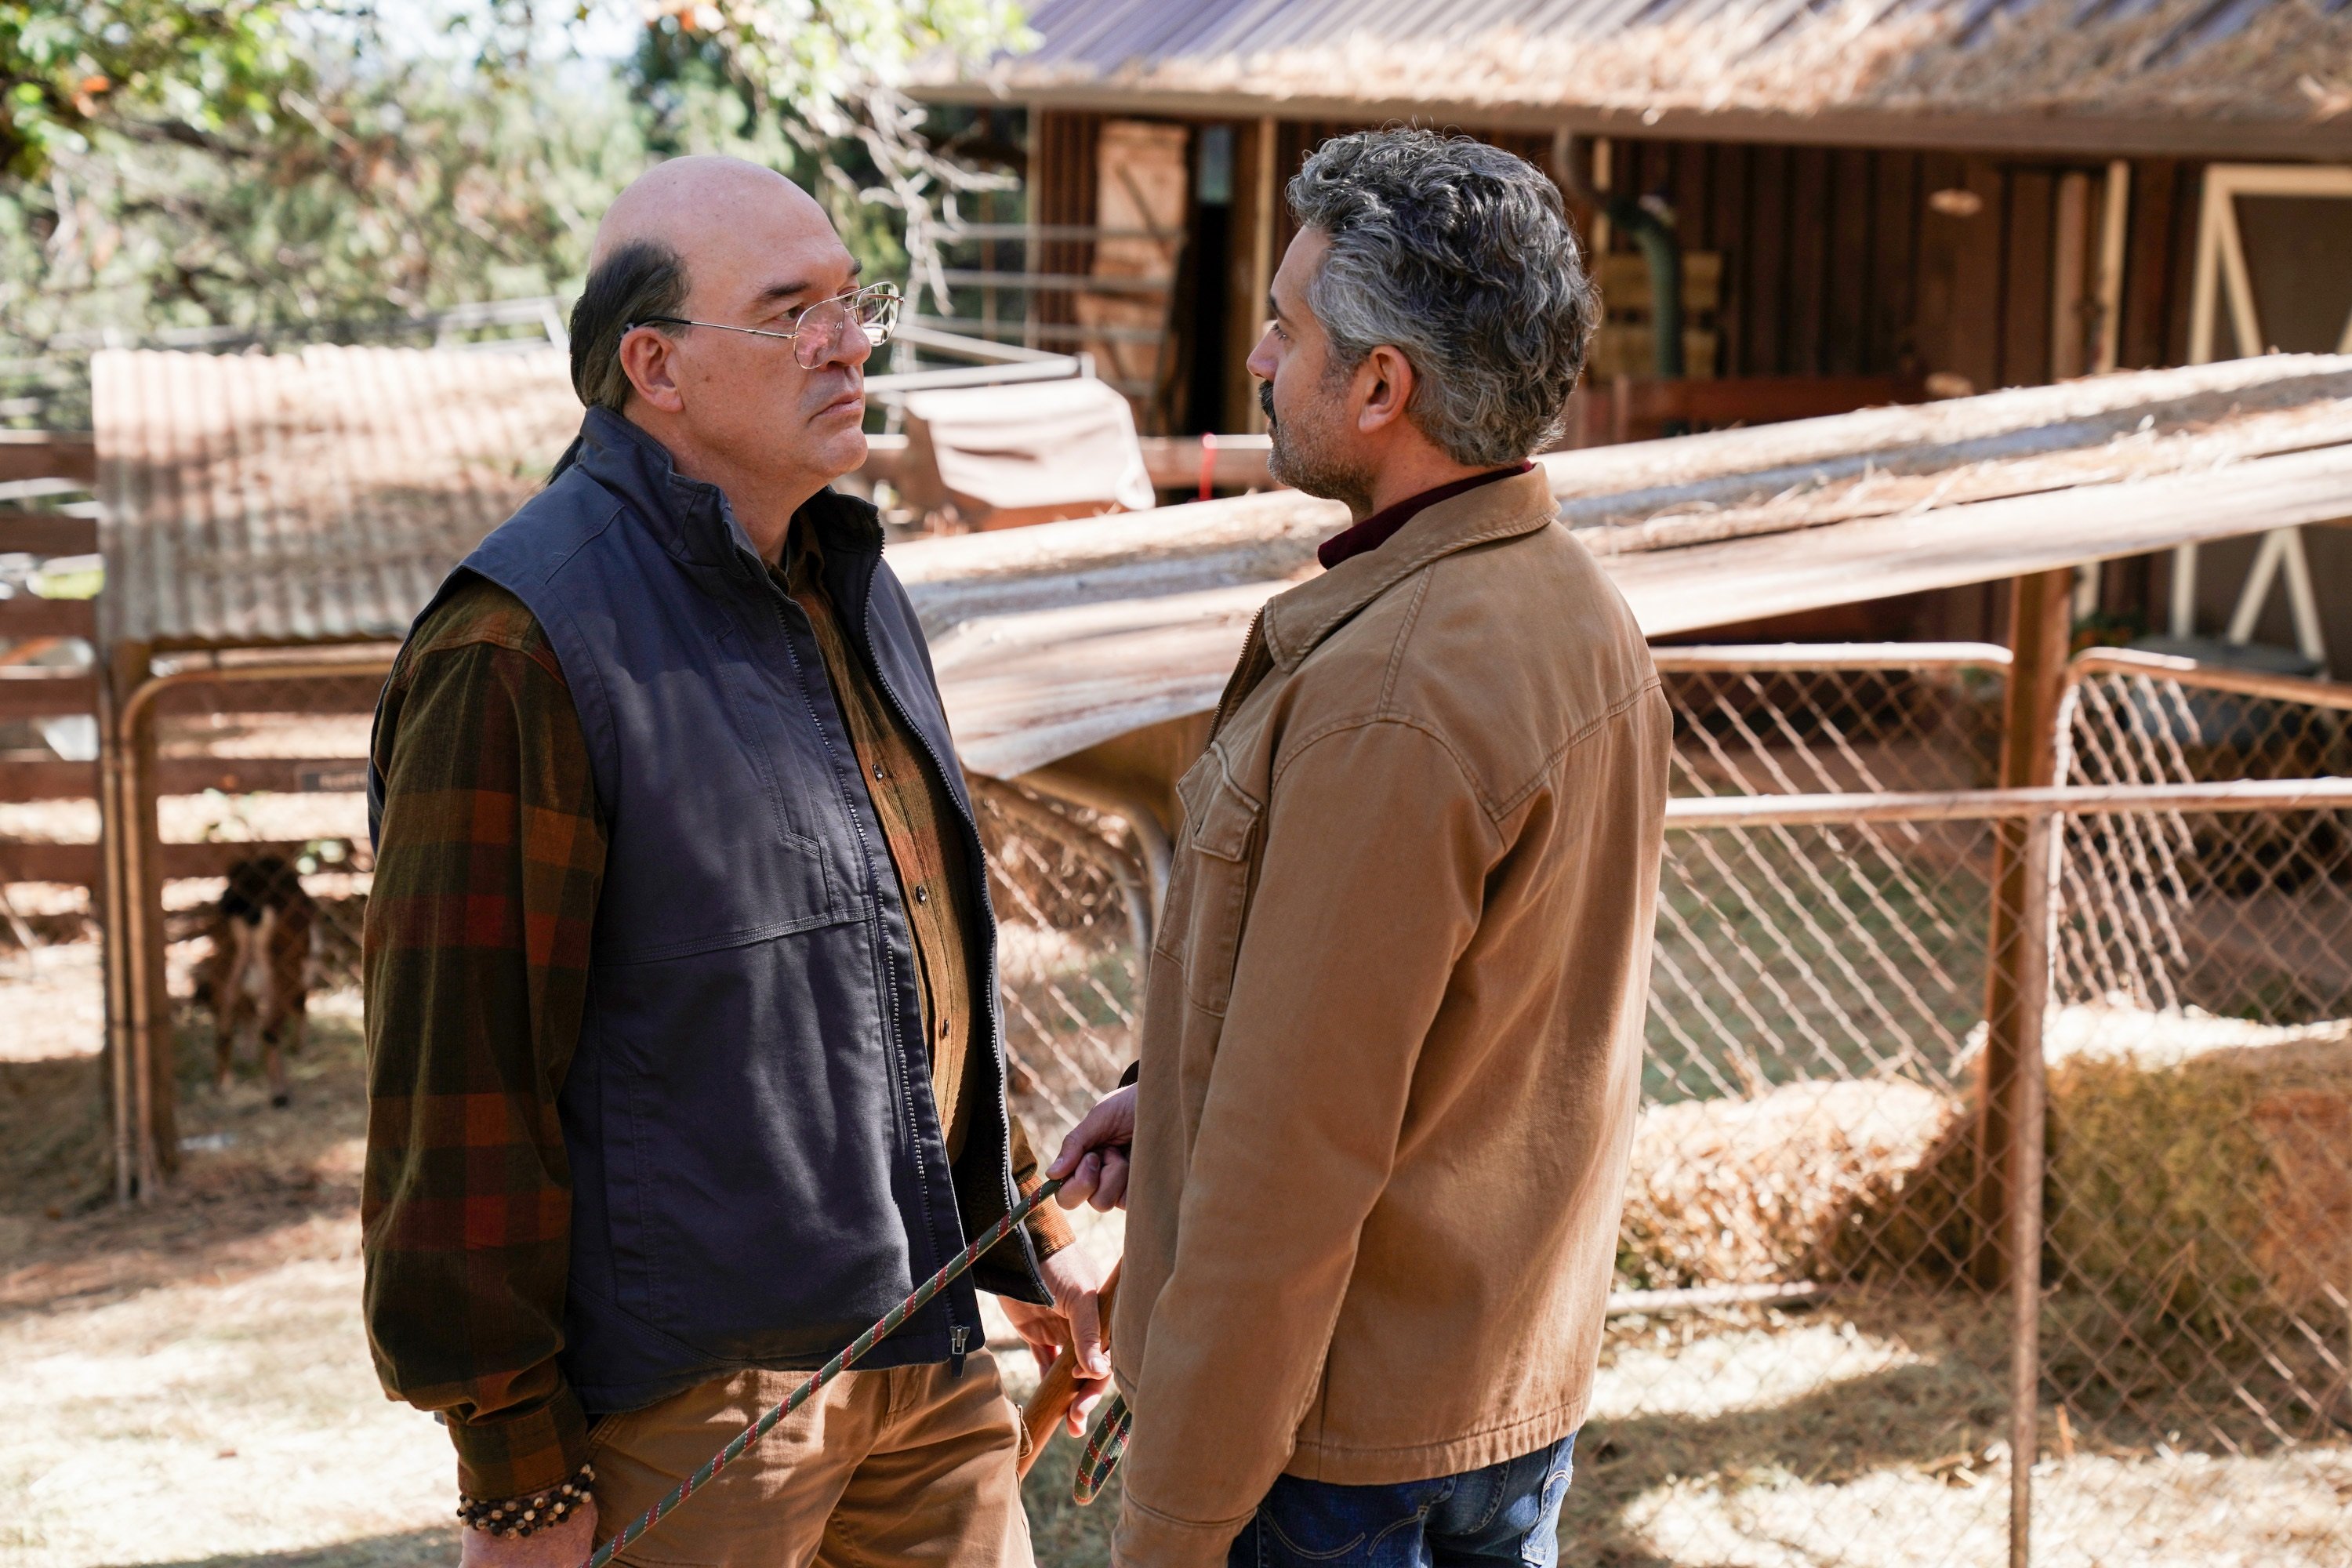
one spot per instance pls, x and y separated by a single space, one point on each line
1393 1031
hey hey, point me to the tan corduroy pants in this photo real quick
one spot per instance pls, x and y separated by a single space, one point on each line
901 1466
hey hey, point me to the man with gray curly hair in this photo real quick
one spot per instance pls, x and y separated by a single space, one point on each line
1391 1041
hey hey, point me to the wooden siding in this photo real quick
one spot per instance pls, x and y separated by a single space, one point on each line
1836 262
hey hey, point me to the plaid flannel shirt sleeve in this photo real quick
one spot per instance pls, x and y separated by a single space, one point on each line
490 857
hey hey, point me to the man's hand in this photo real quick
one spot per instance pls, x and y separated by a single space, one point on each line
566 1545
1092 1161
1075 1315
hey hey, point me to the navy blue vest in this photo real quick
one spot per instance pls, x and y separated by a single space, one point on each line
757 1163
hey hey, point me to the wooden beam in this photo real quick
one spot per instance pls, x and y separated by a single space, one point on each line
30 691
1265 199
27 616
47 455
53 778
1237 463
46 534
76 865
323 694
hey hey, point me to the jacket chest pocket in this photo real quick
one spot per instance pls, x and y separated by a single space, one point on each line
1202 926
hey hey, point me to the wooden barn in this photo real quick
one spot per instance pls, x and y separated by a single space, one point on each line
1795 211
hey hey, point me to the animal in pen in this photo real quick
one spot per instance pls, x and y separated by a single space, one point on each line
257 975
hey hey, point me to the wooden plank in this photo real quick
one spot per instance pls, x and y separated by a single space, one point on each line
2149 278
1238 464
28 615
1853 269
334 694
1726 235
1973 349
1809 261
25 778
1688 191
32 692
1767 270
1765 399
46 534
47 455
78 864
1895 257
52 778
2071 283
2027 297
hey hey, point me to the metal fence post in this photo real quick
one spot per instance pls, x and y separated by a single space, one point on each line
2027 1111
2016 946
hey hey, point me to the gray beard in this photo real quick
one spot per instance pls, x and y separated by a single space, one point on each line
1297 463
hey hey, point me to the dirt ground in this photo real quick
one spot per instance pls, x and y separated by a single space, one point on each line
187 1382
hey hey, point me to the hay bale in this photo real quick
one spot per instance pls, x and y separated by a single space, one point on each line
1747 1191
2199 1172
2201 1168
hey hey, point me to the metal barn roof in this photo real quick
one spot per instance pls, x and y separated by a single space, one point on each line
311 497
2247 77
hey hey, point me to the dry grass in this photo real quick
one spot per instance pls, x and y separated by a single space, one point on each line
188 1385
188 1379
1875 1439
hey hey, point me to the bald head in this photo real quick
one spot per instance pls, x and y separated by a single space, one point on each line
694 326
689 204
709 239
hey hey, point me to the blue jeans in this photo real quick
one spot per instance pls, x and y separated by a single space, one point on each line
1504 1515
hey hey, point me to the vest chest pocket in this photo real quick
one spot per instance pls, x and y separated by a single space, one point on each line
1221 824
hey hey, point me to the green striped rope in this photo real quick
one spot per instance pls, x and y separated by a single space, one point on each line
826 1373
1103 1451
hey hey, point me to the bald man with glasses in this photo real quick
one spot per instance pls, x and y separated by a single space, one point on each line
685 1058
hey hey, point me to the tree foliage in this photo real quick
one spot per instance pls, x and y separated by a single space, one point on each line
278 163
150 68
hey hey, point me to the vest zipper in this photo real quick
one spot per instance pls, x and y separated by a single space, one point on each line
979 853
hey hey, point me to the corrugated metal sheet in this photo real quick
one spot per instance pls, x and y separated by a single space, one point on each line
1051 639
2281 62
311 497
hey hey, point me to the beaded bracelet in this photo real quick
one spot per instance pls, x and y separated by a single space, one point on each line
520 1516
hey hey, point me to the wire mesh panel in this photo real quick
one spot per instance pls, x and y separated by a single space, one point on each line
1074 911
2198 1331
1796 1370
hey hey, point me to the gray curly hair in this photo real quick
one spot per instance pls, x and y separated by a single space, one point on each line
1460 256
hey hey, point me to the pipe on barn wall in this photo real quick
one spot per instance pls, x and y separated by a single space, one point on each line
1651 222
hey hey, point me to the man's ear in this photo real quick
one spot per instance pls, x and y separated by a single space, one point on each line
1385 384
648 359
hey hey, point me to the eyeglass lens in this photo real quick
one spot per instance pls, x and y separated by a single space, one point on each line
818 336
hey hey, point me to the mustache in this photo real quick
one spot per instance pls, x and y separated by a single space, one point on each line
1265 401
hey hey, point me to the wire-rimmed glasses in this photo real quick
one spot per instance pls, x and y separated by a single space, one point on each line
815 336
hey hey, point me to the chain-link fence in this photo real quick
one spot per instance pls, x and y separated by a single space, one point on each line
1821 1350
2197 1329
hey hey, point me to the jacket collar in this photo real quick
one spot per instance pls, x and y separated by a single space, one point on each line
1297 620
691 518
